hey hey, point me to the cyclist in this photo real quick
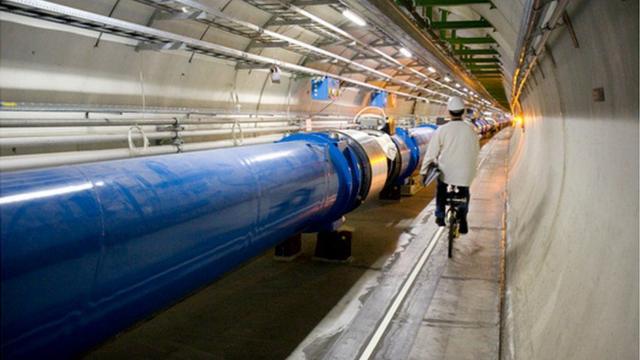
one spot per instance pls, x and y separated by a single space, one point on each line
454 149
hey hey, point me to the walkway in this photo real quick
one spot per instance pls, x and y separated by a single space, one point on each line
422 305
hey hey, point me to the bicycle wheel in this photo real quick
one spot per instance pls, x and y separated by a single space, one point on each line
452 232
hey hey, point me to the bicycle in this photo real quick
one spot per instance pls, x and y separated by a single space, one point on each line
454 203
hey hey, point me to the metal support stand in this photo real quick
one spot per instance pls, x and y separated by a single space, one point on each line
393 192
289 249
334 246
412 187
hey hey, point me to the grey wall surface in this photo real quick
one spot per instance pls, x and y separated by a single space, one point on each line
44 62
572 253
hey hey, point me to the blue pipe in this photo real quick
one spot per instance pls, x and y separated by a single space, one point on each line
412 145
403 136
432 126
421 136
87 250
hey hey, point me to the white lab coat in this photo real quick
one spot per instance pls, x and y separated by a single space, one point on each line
454 147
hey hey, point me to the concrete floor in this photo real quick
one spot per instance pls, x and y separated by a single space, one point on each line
271 310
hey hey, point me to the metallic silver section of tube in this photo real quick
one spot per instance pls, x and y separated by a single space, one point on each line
377 160
403 159
385 142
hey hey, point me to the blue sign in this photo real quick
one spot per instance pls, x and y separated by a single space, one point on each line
379 99
324 88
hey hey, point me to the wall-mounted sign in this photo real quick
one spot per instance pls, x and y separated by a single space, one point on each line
325 88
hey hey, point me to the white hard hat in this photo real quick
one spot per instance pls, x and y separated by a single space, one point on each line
455 104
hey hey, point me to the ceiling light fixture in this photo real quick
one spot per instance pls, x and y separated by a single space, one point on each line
275 74
354 17
405 52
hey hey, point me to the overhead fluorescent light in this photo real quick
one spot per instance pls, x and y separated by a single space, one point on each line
405 52
447 79
354 17
431 69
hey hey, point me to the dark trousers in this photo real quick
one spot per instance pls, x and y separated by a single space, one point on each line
441 200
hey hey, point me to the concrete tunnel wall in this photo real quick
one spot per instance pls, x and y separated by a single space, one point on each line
572 245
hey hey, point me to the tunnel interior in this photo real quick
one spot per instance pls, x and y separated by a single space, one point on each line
154 153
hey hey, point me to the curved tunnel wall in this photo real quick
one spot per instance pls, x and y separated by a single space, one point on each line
572 254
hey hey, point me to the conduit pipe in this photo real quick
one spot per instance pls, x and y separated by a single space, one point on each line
11 132
28 122
191 121
115 122
89 249
101 138
23 162
526 64
115 130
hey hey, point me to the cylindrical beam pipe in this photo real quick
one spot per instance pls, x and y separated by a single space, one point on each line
422 136
89 249
412 145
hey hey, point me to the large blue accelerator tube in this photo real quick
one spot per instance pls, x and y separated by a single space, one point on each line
87 250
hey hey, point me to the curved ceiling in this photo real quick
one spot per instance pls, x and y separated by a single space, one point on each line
481 34
303 38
